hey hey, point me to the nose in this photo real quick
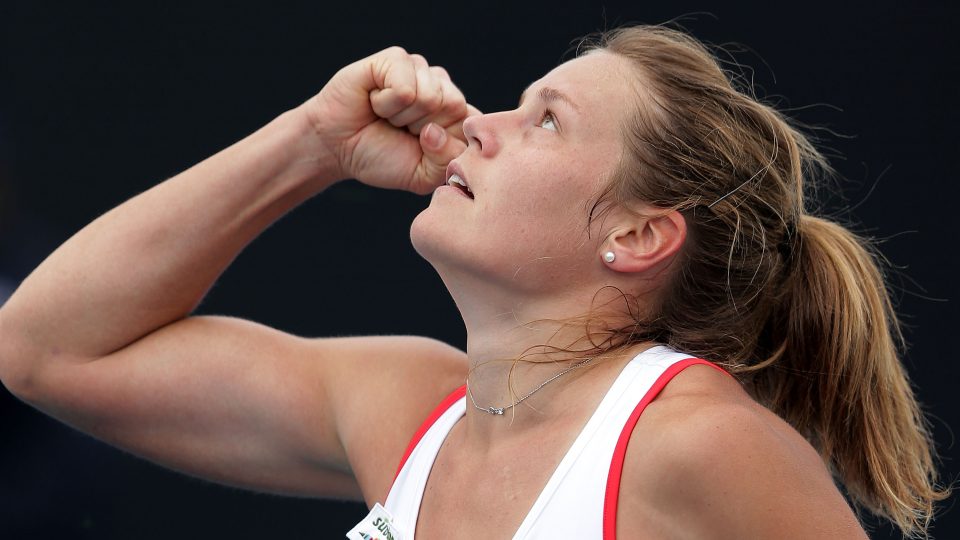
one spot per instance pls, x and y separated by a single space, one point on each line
480 132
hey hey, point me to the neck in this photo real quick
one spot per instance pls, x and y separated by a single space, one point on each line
502 330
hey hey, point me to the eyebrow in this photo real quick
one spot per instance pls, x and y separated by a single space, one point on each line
550 95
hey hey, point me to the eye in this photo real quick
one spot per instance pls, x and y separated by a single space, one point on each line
548 121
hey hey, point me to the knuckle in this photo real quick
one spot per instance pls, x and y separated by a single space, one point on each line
405 95
456 108
433 100
453 94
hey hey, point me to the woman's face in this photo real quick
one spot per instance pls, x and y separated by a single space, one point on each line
534 172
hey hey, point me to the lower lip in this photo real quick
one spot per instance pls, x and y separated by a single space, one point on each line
458 191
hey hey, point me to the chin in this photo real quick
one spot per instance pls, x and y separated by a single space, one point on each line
431 238
484 256
438 241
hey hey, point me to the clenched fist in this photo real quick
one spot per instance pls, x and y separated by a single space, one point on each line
391 120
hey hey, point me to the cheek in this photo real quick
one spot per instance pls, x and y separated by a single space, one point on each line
548 217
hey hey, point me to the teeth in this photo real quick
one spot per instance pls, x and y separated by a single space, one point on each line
455 179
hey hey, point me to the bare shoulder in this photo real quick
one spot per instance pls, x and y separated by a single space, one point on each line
384 387
706 461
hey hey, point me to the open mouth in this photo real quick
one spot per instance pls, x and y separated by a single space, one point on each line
458 183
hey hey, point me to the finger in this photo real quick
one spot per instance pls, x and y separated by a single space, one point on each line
419 61
428 101
438 150
452 109
395 75
456 129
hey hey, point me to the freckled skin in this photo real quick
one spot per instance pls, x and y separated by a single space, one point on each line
99 337
531 184
523 242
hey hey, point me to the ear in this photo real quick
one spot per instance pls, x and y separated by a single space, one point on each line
646 243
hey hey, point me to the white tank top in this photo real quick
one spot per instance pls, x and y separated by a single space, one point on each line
580 499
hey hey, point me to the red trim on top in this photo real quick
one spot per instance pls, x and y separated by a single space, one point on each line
428 423
612 496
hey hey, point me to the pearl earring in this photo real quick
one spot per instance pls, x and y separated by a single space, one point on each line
609 256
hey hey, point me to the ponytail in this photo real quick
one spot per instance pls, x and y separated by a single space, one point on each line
793 305
838 379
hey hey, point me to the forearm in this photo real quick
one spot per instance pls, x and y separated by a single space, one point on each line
150 261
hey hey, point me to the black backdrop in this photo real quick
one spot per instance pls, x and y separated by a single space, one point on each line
99 102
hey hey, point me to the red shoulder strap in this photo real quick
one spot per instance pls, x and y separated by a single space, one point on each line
620 451
428 423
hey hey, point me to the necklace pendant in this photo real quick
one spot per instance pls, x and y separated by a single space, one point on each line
495 410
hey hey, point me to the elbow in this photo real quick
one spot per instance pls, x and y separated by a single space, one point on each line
13 378
15 374
17 371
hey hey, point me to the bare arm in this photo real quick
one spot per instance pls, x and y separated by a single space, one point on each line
149 261
99 335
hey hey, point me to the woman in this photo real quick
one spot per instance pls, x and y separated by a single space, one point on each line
633 200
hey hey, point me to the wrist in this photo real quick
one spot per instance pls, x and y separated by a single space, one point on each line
316 160
320 134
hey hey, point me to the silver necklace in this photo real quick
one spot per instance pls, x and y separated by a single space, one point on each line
500 410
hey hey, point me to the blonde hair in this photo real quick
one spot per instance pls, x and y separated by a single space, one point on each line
793 304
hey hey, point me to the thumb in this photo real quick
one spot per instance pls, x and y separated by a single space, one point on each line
439 149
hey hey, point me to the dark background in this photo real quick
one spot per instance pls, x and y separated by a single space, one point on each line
100 102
